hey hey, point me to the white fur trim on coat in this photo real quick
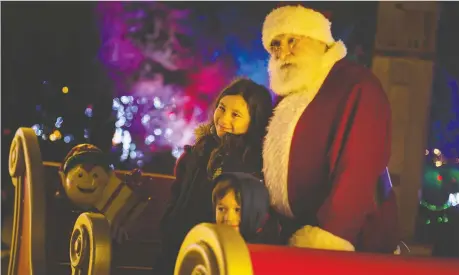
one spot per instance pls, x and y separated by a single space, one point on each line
317 238
276 148
296 20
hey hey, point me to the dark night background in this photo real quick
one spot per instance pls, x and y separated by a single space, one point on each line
58 42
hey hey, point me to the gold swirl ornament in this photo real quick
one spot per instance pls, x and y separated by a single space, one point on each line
209 248
27 252
90 245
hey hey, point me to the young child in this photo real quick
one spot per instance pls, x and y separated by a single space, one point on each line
242 201
231 141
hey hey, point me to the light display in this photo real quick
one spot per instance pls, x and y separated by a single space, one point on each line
440 190
168 69
162 124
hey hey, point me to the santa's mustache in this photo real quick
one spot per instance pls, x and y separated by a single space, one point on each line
281 67
286 65
283 63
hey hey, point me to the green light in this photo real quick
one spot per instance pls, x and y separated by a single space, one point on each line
433 207
432 178
453 175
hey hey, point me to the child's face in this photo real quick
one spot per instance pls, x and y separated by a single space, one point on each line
228 211
232 116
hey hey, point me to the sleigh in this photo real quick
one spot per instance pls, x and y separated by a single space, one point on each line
51 236
218 249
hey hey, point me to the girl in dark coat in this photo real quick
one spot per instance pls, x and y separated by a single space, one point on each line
231 142
242 201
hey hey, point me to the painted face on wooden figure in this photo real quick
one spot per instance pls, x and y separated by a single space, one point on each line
84 175
84 184
232 116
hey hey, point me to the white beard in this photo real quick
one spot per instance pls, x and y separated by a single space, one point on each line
295 78
298 92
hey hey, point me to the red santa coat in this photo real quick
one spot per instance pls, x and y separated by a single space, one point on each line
324 152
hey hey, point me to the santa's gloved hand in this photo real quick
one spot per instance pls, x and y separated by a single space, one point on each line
317 238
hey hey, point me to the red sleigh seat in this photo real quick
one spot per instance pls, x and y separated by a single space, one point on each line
211 249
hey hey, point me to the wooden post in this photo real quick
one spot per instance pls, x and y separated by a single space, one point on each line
403 60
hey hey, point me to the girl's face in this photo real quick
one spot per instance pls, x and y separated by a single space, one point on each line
232 116
228 210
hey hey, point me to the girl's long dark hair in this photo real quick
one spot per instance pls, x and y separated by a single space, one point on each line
249 145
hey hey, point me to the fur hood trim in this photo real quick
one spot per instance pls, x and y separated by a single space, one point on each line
203 130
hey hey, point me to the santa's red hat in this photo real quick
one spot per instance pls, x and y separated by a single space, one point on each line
296 20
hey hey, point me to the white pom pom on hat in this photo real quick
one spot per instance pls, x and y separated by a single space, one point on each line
296 20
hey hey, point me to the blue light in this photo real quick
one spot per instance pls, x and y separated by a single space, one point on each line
86 133
68 138
59 122
88 112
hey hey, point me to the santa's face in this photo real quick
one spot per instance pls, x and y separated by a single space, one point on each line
294 60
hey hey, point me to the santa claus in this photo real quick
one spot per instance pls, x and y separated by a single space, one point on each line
328 143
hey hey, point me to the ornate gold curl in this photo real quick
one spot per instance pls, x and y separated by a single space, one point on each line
90 245
29 238
211 249
16 160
